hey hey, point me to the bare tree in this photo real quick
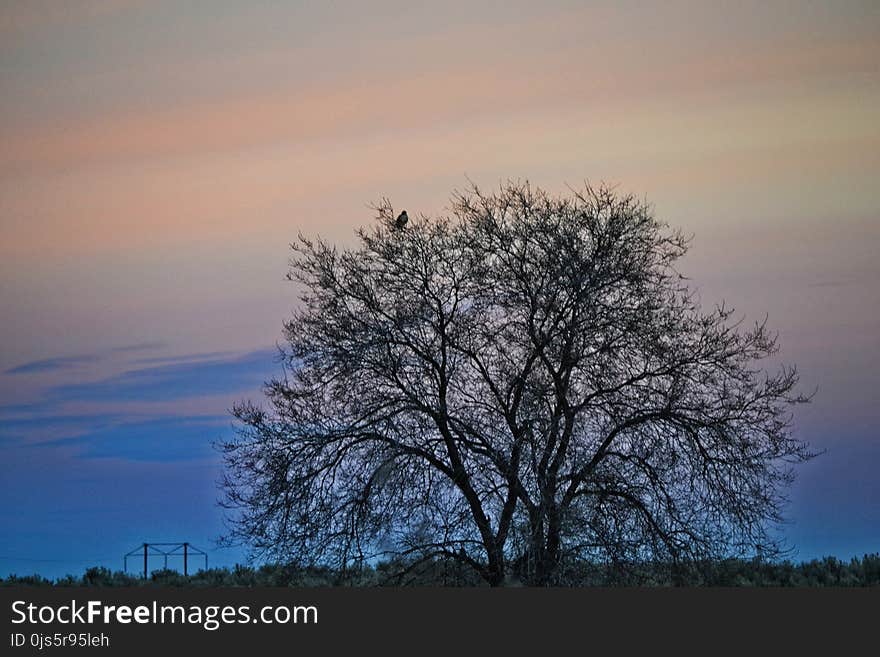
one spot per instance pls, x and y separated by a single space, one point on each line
523 384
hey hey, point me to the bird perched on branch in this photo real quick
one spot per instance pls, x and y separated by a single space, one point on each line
401 220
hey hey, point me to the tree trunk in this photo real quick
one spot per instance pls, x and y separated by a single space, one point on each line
543 559
495 571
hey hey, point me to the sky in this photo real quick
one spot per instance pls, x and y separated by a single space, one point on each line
157 158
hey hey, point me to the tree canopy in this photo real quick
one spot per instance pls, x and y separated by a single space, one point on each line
524 383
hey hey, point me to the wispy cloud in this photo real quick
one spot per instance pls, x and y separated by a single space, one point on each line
184 358
41 426
176 380
69 362
52 364
166 412
160 439
139 346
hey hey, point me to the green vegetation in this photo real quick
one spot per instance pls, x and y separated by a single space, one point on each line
829 571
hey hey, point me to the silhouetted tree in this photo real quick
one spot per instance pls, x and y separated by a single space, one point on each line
526 383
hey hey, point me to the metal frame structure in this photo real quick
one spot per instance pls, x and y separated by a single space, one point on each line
165 550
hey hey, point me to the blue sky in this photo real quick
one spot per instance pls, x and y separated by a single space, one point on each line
124 454
91 469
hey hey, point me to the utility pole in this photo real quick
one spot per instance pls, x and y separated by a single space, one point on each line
183 549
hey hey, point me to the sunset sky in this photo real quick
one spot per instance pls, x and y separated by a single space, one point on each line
156 158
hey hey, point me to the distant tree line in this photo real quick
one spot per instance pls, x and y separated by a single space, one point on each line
829 571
